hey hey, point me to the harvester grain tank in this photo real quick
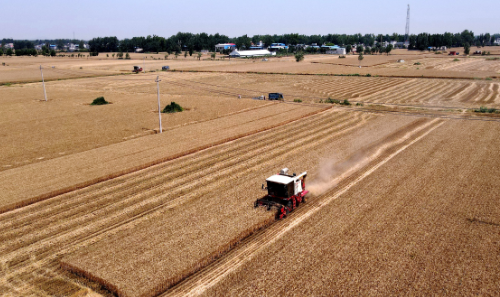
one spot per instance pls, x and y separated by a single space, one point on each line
285 192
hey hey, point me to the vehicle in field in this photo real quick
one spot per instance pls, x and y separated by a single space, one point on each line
453 53
165 68
276 96
137 69
284 192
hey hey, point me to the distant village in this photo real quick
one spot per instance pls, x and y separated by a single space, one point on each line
259 49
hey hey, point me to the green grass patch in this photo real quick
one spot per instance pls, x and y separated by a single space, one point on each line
484 109
492 59
359 104
297 100
99 101
456 60
172 108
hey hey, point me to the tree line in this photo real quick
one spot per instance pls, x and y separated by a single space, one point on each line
185 41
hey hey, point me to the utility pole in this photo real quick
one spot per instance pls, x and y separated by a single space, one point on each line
159 107
43 83
407 29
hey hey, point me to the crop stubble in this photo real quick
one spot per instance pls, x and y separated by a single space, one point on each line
425 223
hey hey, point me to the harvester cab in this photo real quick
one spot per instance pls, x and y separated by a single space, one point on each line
284 192
137 69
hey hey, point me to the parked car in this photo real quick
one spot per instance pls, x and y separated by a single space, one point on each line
165 68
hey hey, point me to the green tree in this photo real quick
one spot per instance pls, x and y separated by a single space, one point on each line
81 45
199 56
299 56
388 49
359 49
360 58
466 48
176 55
10 52
113 55
374 50
127 56
185 54
1 52
348 48
190 51
166 57
213 55
52 53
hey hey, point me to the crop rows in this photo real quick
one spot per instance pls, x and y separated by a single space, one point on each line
34 237
410 91
253 249
431 210
347 88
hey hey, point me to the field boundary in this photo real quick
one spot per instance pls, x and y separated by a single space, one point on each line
93 181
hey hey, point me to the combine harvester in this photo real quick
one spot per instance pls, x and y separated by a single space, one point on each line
285 192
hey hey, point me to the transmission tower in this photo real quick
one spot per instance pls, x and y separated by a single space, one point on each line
407 30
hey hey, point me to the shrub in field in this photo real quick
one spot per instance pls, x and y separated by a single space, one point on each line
359 104
299 56
341 57
127 56
99 101
173 107
484 109
345 102
368 75
332 101
297 100
456 60
418 63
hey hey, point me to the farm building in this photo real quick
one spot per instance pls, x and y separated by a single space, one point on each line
277 46
496 41
224 46
251 53
337 51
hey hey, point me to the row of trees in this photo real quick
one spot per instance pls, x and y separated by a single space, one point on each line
183 41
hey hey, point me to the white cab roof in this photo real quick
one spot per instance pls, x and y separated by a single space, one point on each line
280 179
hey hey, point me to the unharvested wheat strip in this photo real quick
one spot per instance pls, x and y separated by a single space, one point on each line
173 186
245 253
142 155
108 215
97 202
122 208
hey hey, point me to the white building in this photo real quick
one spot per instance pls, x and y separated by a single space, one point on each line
496 41
337 51
251 53
224 46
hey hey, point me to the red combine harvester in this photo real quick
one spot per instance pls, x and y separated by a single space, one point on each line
137 69
285 192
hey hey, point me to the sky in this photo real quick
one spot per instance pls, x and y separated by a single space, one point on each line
55 19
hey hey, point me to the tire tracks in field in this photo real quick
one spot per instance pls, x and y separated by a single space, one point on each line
251 246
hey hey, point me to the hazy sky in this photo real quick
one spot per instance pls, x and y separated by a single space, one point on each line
125 19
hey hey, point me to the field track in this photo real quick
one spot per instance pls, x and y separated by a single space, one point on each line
249 248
